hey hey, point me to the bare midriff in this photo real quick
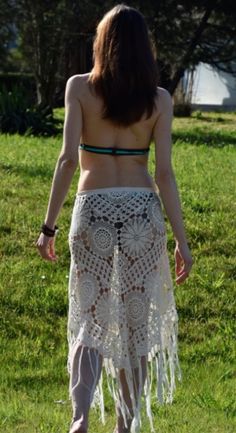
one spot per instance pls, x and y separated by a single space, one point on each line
107 171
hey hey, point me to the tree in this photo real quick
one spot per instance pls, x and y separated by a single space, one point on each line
7 33
82 18
56 37
41 28
188 32
53 38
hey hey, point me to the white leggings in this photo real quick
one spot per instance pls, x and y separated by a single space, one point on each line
85 373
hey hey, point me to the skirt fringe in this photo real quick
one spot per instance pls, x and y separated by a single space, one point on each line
160 383
122 313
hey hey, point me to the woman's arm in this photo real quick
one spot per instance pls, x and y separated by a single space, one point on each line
165 179
67 161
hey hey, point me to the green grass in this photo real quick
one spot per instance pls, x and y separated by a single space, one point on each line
34 381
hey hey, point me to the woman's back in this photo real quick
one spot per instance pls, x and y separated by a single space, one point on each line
99 170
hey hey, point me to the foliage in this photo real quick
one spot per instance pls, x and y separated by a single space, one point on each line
182 110
188 32
24 81
41 31
52 35
33 292
198 114
7 33
16 116
55 37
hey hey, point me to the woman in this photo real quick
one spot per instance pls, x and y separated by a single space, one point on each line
121 305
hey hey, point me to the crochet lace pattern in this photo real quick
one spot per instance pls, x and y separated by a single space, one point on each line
121 300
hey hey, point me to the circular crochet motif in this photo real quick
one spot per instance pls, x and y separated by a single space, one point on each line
103 238
136 237
85 292
121 299
136 307
106 309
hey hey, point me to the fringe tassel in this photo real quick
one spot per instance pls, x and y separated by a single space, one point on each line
162 363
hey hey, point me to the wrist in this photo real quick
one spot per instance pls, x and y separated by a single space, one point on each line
49 225
182 242
48 231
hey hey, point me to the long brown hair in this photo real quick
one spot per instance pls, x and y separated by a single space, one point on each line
124 73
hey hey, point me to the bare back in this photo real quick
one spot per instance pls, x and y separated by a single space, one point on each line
84 123
100 171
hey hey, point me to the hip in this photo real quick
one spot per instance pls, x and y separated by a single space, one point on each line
135 210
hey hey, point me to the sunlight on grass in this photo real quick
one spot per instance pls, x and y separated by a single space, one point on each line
34 380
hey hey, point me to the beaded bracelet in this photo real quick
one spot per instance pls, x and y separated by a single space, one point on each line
49 232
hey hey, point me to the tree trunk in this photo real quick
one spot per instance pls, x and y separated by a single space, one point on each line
45 97
186 58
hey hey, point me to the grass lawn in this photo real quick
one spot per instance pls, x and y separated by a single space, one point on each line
33 377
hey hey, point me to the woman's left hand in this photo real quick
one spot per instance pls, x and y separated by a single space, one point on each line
46 247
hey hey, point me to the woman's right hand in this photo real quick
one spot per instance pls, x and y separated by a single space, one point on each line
183 262
46 247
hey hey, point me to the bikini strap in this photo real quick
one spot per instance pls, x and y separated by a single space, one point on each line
113 150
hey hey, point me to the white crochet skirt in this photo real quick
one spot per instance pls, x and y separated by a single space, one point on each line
121 302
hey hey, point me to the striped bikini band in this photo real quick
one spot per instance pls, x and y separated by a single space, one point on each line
113 150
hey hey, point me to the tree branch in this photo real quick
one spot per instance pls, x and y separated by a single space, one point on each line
192 45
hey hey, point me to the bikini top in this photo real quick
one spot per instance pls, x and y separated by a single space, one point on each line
113 150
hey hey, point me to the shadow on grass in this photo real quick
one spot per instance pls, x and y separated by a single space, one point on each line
32 381
31 171
210 119
201 137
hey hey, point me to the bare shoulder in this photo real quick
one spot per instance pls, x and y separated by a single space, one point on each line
163 94
76 85
164 101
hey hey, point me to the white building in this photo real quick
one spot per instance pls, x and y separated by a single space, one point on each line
213 89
